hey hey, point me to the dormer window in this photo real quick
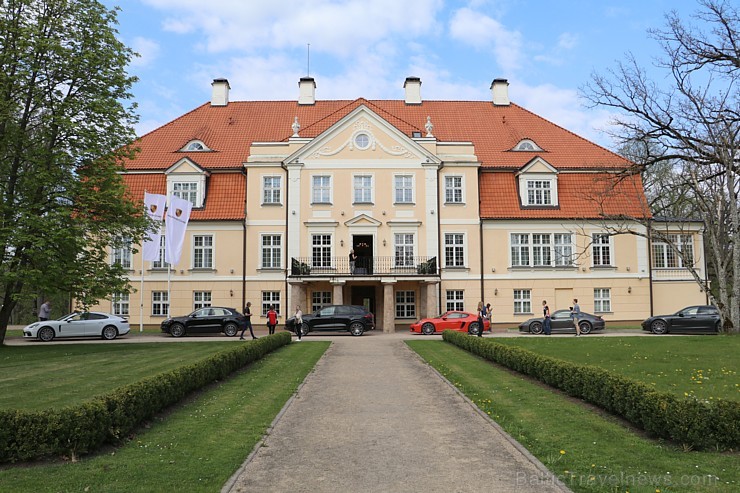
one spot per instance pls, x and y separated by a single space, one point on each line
538 184
187 181
195 146
527 145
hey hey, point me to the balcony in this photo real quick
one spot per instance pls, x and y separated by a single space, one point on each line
364 266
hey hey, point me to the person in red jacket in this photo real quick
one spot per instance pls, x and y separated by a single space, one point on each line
272 319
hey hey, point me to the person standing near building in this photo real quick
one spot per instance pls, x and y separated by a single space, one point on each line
248 314
352 261
45 311
546 314
481 318
575 313
272 320
298 323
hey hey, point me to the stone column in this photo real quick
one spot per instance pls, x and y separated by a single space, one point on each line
389 314
337 297
431 299
297 296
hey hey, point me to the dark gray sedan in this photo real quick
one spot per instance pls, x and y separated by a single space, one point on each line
561 321
702 319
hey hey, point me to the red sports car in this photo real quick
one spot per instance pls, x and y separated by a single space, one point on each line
452 320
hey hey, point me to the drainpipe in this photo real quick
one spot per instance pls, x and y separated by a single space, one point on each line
285 251
480 239
439 243
650 263
244 244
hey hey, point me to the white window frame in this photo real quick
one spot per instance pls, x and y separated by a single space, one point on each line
519 249
270 298
405 306
120 304
539 177
160 264
664 257
320 299
454 192
454 250
602 247
175 182
406 189
323 193
522 301
187 190
602 300
160 304
407 250
367 191
207 253
202 299
325 249
542 249
122 255
272 190
274 257
562 254
539 192
455 300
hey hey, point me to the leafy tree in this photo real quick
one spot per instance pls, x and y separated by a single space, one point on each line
693 121
65 125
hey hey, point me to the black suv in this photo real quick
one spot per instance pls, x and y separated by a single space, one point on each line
353 318
211 319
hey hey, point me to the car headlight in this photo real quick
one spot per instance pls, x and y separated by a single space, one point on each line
33 326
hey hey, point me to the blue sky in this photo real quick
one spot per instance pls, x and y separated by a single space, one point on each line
366 48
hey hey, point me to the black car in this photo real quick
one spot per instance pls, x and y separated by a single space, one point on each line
211 319
561 321
353 318
702 319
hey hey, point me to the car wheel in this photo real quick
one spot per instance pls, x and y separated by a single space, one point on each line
659 327
356 328
109 332
427 329
536 328
304 329
177 330
474 329
585 328
46 334
230 329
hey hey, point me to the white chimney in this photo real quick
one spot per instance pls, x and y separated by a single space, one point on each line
220 92
306 91
500 92
412 88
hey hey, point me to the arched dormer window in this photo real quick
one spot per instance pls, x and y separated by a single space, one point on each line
527 145
195 146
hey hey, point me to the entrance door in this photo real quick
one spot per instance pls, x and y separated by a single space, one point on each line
363 246
364 296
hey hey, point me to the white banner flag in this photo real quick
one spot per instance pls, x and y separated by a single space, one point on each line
178 215
154 205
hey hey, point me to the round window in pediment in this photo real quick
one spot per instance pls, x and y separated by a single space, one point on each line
362 140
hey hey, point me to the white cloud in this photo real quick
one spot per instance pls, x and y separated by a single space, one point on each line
567 41
147 49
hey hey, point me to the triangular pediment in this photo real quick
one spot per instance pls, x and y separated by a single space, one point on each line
538 165
363 220
363 135
185 166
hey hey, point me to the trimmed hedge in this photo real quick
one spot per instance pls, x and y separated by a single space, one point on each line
686 421
72 431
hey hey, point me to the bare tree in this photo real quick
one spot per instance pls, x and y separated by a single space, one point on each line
691 126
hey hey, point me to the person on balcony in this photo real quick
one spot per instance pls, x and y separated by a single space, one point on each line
352 261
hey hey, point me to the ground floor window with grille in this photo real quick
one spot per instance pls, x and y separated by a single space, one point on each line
270 298
405 304
522 301
602 300
120 304
201 299
455 300
320 299
160 303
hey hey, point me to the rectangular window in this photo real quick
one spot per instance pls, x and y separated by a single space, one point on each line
160 264
454 250
405 304
203 252
539 192
522 301
321 190
453 189
201 299
363 189
270 298
321 250
404 186
601 251
121 253
121 304
666 257
271 251
404 249
186 191
602 300
519 250
271 186
455 300
160 303
563 249
541 250
320 299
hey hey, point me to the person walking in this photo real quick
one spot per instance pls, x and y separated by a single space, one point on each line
272 320
481 317
352 261
248 314
45 311
546 313
575 313
298 323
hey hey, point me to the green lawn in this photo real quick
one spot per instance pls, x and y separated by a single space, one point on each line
705 367
50 375
589 451
196 447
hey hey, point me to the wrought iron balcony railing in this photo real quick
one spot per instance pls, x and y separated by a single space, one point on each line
364 266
